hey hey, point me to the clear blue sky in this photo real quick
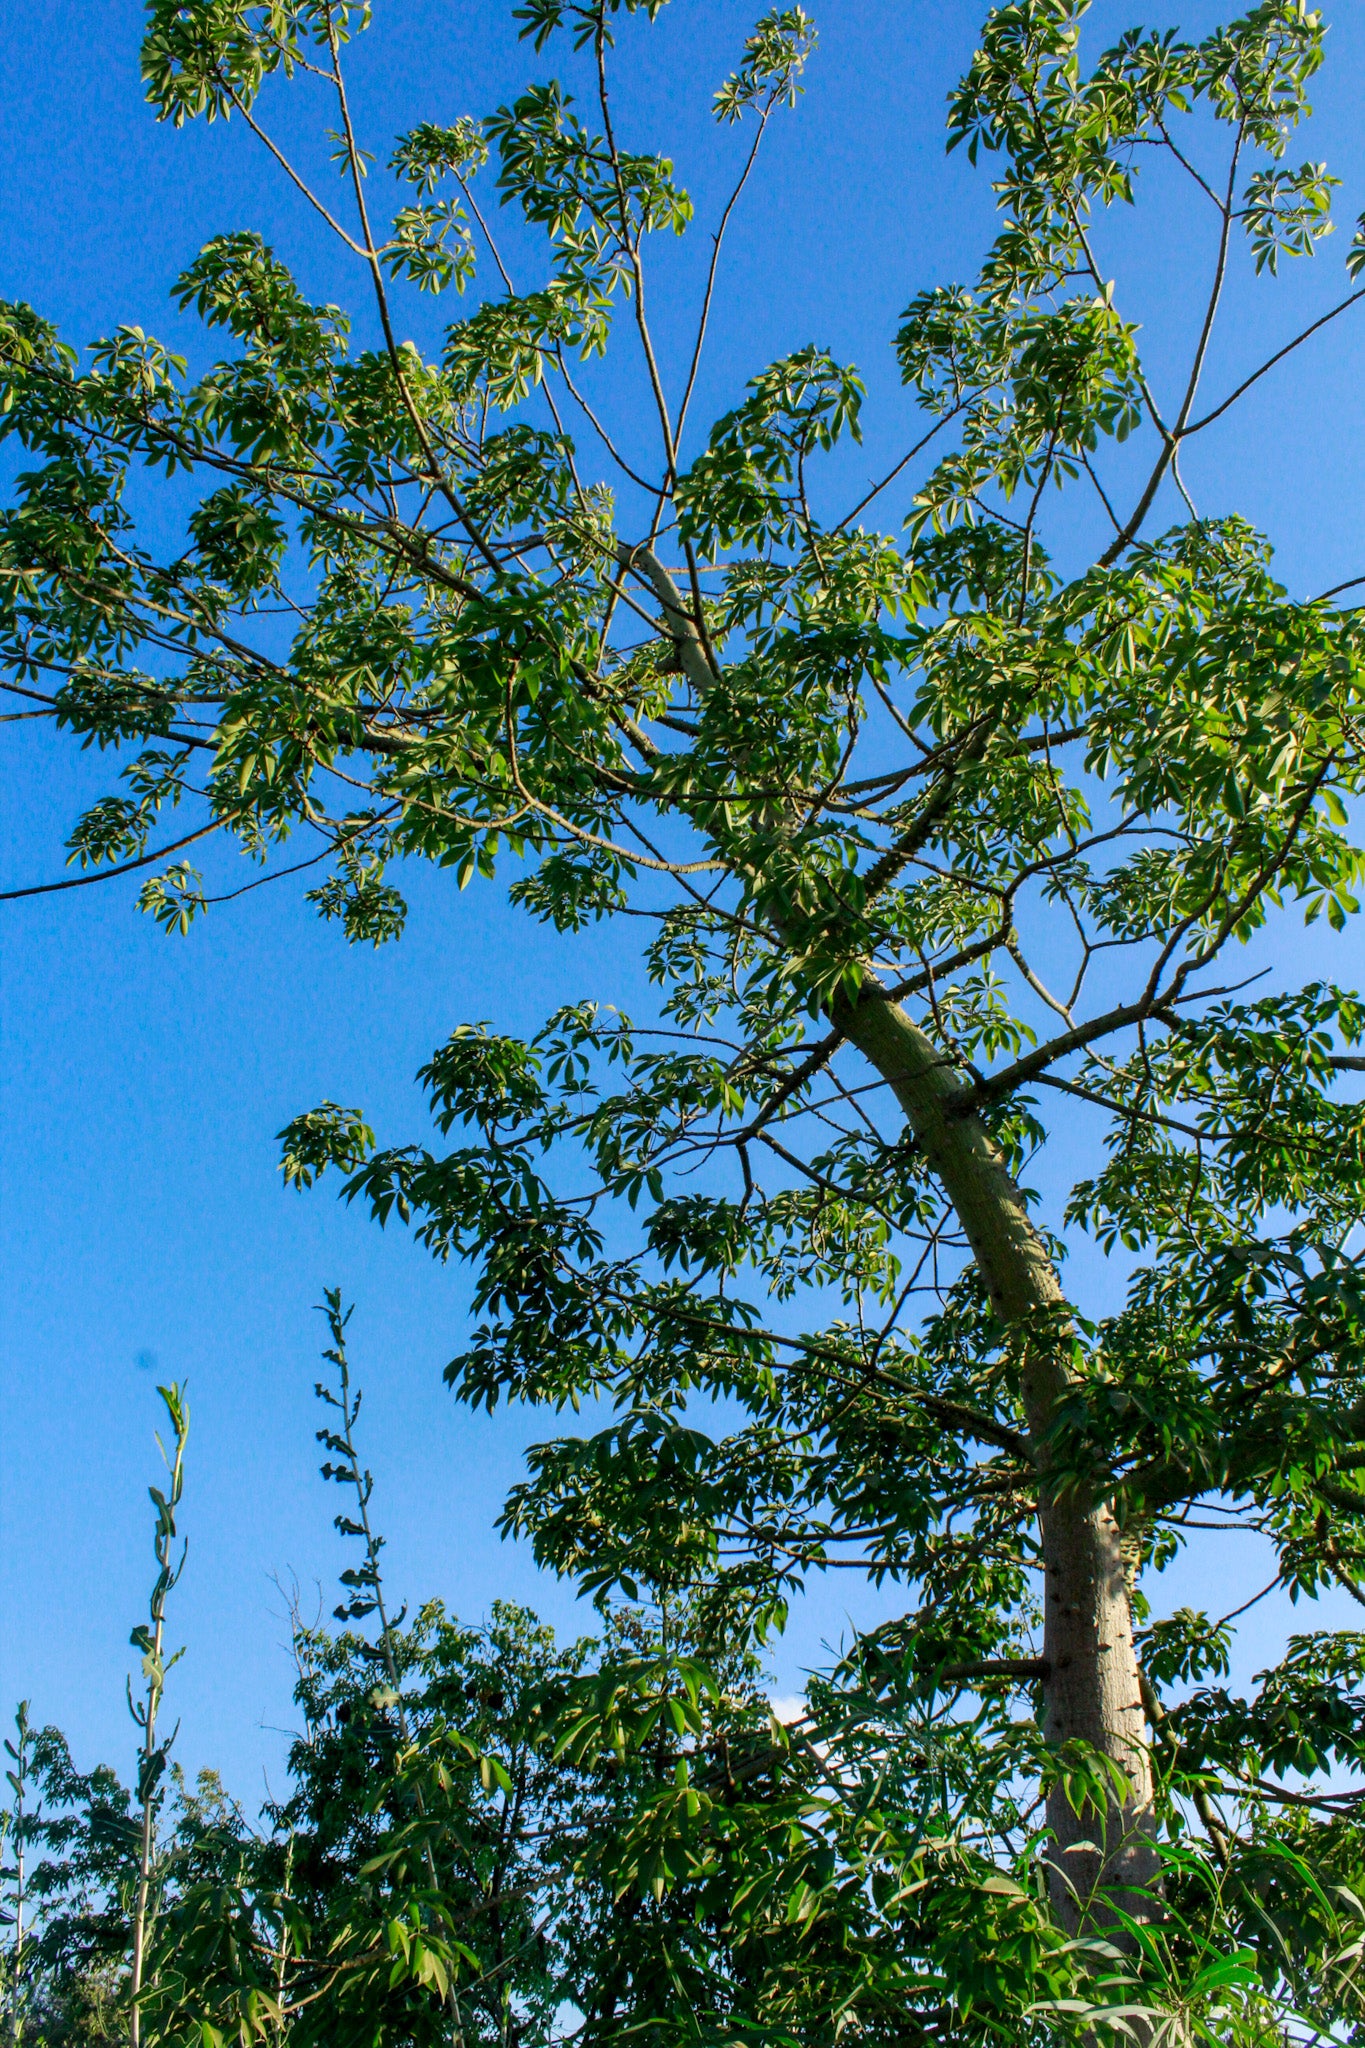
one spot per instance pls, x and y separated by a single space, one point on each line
145 1233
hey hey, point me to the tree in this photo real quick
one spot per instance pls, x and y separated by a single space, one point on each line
890 810
445 1863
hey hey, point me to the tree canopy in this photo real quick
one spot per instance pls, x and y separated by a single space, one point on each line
940 845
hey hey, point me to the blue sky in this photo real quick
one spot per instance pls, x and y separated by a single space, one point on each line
145 1232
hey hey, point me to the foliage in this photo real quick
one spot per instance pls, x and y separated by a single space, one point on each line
944 850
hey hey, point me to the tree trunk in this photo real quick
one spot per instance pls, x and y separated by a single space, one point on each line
1108 1858
1102 1858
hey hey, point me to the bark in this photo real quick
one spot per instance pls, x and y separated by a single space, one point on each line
1103 1858
1093 1690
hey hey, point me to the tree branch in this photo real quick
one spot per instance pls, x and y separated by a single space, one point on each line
111 874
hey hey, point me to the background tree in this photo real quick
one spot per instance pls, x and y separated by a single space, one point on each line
446 1862
931 836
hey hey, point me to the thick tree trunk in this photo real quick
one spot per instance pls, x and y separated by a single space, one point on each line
1107 1858
1103 1858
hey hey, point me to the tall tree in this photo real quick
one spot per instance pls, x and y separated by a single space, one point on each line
940 855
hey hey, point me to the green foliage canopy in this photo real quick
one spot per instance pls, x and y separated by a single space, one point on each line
942 855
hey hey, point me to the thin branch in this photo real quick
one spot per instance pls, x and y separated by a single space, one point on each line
892 474
282 160
716 240
1351 583
111 874
630 250
997 1667
1171 439
437 474
1270 362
